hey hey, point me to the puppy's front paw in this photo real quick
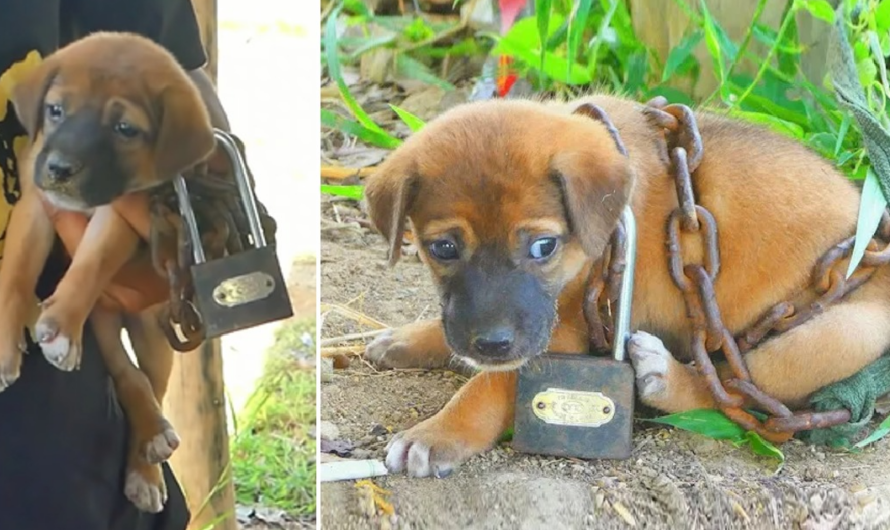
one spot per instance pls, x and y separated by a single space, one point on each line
651 362
427 450
417 345
61 348
162 445
146 489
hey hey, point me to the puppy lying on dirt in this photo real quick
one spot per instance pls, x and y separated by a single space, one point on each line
511 201
108 115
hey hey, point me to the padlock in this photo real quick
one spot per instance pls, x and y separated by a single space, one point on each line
582 406
241 290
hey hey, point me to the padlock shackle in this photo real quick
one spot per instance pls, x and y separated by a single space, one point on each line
626 293
244 191
247 197
188 215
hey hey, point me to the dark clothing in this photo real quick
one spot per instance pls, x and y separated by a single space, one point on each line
62 435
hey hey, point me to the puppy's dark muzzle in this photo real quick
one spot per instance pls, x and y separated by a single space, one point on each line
495 314
78 161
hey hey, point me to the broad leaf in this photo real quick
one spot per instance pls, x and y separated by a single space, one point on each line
871 208
708 422
882 431
413 122
335 121
764 447
820 9
680 53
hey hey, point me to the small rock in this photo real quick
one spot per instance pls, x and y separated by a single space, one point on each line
598 500
328 430
378 430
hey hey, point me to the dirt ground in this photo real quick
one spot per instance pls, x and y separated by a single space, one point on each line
673 480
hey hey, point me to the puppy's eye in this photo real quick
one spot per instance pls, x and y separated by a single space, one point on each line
126 130
54 111
542 248
444 250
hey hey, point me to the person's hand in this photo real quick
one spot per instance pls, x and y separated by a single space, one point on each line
137 285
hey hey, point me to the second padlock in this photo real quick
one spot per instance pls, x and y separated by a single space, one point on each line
242 290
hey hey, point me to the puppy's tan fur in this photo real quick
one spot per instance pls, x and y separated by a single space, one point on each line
131 79
485 169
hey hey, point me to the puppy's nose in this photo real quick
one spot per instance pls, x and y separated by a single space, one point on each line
61 167
495 342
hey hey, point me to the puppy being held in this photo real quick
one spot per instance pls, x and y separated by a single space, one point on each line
510 202
108 115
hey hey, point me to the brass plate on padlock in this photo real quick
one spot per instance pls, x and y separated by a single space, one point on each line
244 289
558 406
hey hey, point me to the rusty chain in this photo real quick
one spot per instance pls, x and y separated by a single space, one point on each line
696 282
224 230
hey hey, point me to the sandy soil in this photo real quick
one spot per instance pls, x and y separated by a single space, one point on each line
673 480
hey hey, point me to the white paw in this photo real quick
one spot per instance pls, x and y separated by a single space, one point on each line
59 350
651 362
424 451
161 447
147 497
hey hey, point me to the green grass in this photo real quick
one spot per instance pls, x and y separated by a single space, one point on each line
273 451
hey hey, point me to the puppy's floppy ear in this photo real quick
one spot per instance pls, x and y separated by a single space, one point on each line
389 193
28 96
595 190
185 135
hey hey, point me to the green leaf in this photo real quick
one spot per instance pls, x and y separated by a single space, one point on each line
333 63
413 69
764 447
371 44
680 53
335 121
882 15
637 66
542 15
708 422
871 208
772 122
413 122
352 192
577 25
712 41
875 44
506 436
820 9
882 431
523 43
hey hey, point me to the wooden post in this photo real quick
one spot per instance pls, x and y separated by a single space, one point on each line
196 402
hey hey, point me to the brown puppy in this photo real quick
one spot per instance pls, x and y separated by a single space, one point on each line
510 201
108 115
